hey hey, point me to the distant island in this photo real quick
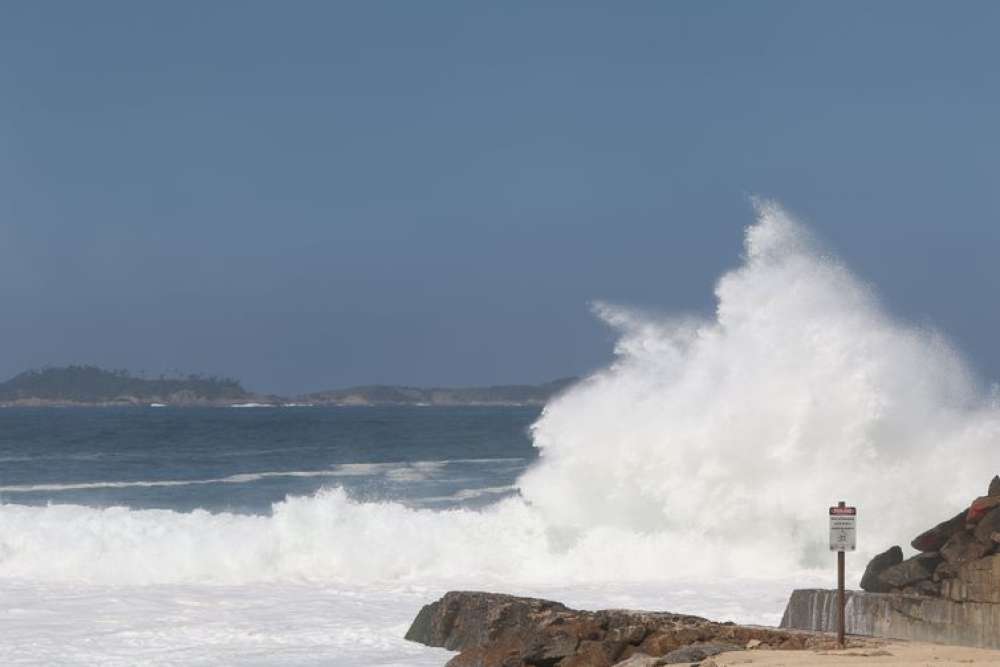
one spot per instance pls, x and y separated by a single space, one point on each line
90 386
516 394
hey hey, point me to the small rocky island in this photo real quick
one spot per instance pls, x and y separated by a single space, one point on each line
493 630
90 386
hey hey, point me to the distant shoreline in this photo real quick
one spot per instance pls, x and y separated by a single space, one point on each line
69 405
92 387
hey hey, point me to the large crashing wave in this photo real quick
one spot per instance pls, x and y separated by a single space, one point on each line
709 448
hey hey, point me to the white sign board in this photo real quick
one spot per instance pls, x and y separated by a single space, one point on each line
842 529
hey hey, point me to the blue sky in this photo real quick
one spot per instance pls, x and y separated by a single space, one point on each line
316 194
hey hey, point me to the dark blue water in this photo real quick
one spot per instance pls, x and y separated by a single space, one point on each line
243 460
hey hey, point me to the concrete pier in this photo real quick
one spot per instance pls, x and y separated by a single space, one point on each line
897 616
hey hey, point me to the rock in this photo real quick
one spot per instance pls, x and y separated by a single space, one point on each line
697 653
994 489
752 644
963 546
877 565
591 654
462 620
980 506
945 570
494 630
628 634
926 587
988 525
546 650
662 643
640 660
934 539
975 581
910 571
658 644
478 657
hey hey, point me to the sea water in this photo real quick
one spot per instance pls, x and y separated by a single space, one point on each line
167 535
693 474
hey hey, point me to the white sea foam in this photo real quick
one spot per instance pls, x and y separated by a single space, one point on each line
294 623
708 450
394 471
241 478
738 431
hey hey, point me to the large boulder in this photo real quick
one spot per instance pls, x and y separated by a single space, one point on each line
934 539
697 652
955 557
910 571
870 580
980 507
963 547
467 619
987 526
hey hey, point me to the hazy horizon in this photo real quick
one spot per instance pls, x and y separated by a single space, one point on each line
328 195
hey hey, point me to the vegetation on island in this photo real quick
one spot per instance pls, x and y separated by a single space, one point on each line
91 385
518 394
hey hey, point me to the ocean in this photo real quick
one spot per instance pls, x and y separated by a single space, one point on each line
244 460
107 514
693 474
303 535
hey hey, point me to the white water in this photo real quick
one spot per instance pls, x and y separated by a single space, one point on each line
702 460
403 471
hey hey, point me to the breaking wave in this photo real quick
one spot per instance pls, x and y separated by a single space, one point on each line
710 447
401 472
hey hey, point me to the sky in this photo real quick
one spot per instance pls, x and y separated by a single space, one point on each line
310 195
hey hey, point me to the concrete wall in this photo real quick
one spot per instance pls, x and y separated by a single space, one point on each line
897 616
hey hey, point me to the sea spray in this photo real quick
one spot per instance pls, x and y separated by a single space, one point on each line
740 430
709 448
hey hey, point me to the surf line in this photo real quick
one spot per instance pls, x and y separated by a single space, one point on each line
342 470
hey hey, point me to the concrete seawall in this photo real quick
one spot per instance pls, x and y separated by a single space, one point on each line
896 616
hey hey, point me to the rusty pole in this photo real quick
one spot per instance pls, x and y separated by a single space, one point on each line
840 592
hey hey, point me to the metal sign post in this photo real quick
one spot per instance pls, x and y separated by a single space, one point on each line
842 538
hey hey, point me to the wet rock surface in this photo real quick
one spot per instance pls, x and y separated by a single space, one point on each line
495 630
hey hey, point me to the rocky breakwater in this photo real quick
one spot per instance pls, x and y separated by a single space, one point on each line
493 630
957 558
948 592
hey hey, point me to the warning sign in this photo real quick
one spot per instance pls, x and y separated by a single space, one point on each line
842 528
